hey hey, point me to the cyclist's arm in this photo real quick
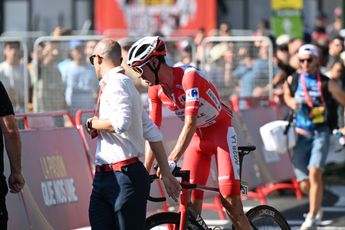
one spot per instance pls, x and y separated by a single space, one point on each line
155 106
184 138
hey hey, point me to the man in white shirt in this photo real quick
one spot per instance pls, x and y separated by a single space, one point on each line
121 184
12 73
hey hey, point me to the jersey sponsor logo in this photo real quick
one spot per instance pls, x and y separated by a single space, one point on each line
179 113
235 160
192 94
214 98
182 99
220 178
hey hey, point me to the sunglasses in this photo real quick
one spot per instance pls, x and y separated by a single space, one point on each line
92 58
138 70
309 60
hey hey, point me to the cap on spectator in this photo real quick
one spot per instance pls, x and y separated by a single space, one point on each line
308 49
283 39
74 44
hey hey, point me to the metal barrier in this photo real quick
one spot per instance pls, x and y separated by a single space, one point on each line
238 65
274 169
63 78
14 71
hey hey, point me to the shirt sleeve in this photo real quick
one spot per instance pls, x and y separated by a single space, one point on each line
119 104
193 85
6 107
151 131
155 105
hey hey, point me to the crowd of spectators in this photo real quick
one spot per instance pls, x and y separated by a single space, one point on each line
64 79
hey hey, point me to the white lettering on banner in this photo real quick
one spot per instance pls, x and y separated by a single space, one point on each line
232 143
48 193
59 191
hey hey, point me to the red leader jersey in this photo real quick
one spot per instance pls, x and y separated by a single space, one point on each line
193 94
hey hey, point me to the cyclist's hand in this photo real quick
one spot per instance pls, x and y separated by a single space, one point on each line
172 186
172 167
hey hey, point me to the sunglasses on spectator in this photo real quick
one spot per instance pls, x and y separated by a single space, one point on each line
92 58
309 60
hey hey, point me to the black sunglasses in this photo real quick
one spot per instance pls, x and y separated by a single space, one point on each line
92 58
309 60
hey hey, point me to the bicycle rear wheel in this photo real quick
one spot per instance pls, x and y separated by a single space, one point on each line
163 221
266 217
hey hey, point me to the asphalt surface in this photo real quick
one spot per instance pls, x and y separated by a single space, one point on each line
293 209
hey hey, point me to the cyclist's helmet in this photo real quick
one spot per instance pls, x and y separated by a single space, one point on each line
145 49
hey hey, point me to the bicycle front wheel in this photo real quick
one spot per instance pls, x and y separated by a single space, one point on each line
267 217
163 221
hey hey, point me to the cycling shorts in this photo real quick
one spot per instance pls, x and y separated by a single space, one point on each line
220 140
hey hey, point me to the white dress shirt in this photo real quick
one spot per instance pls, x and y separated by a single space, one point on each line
120 103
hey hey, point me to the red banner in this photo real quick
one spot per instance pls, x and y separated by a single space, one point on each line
123 18
58 181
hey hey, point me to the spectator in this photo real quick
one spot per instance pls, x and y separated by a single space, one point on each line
334 28
80 80
198 38
313 98
243 72
337 73
12 73
335 48
49 90
319 35
10 135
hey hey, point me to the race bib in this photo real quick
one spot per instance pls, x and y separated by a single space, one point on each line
317 115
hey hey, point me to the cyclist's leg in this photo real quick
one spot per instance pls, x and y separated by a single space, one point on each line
199 165
229 177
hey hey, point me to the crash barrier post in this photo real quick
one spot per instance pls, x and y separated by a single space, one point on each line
15 78
88 143
56 171
275 168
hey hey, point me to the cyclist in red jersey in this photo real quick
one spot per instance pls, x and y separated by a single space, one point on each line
207 129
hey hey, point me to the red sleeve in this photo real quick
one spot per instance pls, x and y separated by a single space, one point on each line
155 105
192 84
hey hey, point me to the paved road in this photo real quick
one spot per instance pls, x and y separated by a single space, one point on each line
293 209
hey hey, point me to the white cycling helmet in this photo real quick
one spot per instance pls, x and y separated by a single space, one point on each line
144 49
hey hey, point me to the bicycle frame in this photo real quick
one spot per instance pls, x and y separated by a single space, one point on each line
185 207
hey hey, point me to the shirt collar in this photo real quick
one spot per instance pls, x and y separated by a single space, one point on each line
107 76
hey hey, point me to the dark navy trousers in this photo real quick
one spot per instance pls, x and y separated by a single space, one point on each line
119 198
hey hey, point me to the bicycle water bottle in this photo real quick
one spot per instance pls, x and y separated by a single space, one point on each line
339 135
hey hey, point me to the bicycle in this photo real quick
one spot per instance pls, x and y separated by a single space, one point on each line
260 217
